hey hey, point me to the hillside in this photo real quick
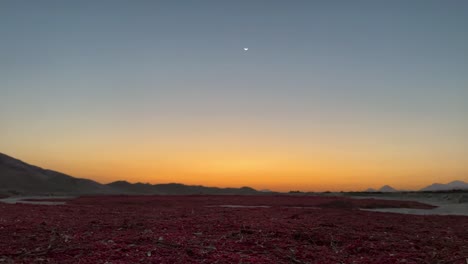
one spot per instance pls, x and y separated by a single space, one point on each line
176 188
19 177
455 185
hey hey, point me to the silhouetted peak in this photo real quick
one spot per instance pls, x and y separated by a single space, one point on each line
454 185
119 183
387 188
457 183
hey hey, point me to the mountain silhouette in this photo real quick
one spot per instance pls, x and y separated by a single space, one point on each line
455 185
175 188
387 188
18 177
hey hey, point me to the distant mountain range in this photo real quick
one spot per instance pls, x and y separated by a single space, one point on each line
435 187
455 185
385 188
175 188
18 177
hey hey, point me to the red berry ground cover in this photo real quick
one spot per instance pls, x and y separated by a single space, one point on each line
194 229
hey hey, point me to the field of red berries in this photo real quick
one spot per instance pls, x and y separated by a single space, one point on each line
196 229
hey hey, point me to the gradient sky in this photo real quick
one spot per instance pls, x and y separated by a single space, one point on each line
332 95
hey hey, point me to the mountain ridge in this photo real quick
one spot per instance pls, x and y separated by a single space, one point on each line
176 188
19 177
387 188
453 185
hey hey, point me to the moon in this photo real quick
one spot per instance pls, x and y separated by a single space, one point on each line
246 49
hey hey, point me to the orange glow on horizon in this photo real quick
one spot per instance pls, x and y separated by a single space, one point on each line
274 172
262 157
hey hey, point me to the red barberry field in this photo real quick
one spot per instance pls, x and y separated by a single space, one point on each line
228 229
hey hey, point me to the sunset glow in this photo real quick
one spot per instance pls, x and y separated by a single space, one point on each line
328 97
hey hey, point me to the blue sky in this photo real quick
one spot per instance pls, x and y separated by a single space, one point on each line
383 73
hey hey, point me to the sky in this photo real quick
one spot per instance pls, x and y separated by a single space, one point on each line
331 95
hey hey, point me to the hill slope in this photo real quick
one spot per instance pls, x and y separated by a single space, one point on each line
387 188
455 185
176 188
19 177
